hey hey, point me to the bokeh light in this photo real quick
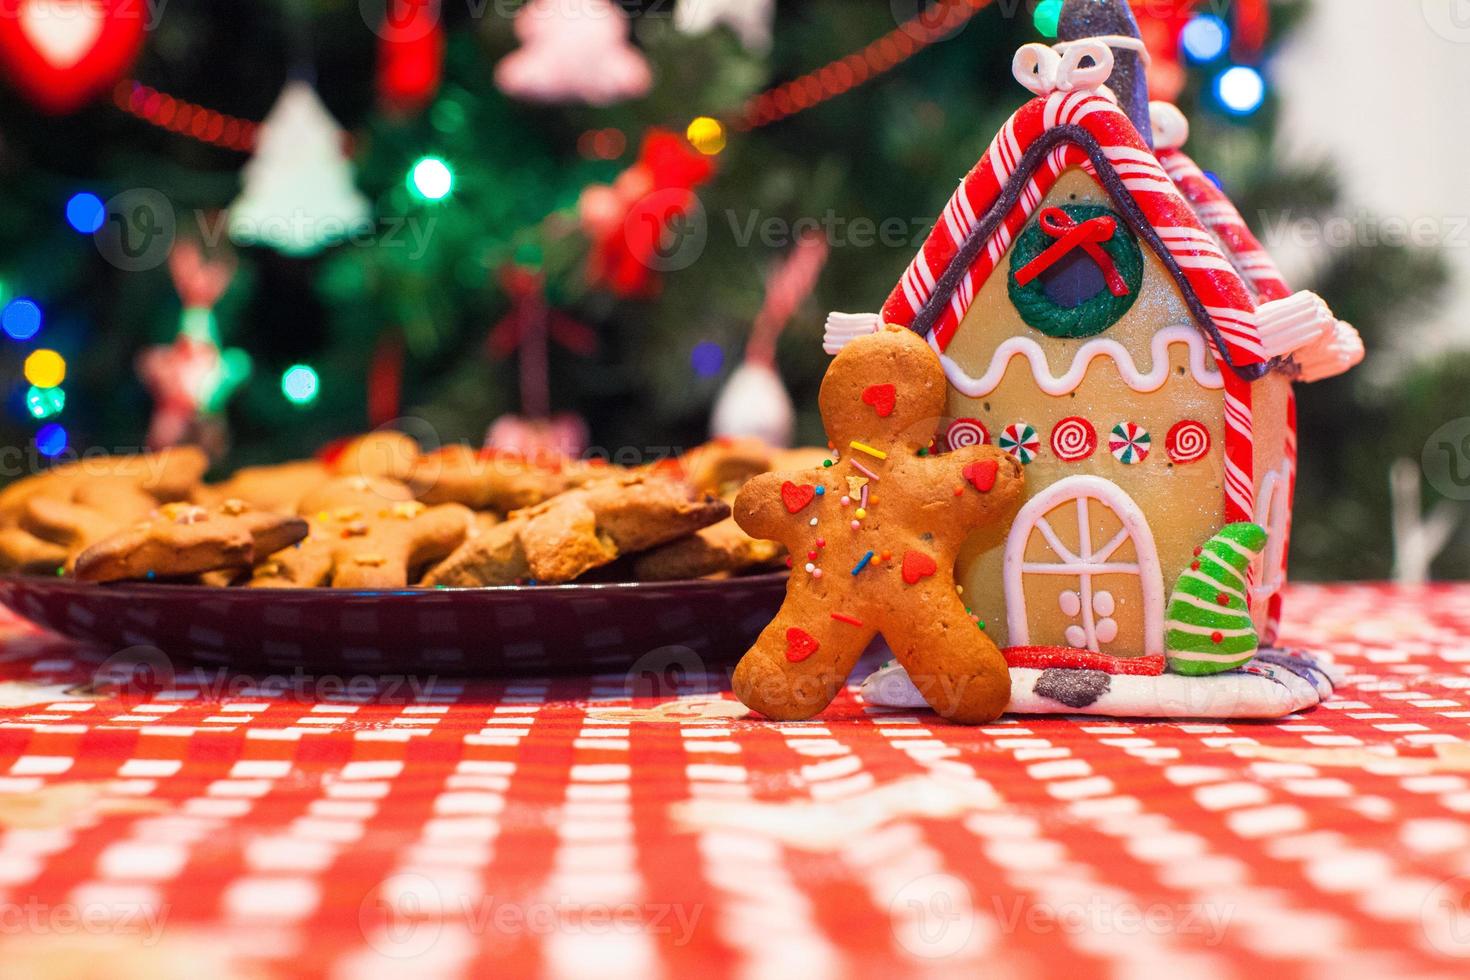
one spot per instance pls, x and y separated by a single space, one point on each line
85 212
1205 38
707 359
1048 17
431 179
300 384
51 440
45 369
706 135
43 403
21 319
1241 90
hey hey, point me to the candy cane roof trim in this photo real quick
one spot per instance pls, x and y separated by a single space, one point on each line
1044 139
1221 216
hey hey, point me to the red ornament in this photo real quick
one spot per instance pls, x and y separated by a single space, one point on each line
410 55
636 225
796 497
385 381
62 54
883 398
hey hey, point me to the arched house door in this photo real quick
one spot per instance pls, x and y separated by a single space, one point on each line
1081 570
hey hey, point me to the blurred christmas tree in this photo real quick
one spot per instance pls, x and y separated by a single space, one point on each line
507 163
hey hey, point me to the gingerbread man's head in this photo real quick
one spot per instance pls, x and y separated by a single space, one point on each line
892 398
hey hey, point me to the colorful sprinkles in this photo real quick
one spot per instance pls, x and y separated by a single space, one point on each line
863 447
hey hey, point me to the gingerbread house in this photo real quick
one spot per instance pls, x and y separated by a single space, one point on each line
1103 313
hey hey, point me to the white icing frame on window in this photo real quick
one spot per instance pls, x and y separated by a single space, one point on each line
1272 509
1089 563
1201 364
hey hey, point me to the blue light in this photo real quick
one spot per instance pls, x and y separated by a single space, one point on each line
85 212
1241 90
21 319
1214 178
1205 38
707 359
51 440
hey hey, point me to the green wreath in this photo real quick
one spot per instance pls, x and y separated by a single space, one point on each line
1093 315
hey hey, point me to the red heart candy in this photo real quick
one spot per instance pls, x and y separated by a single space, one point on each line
882 398
796 497
982 474
800 644
916 566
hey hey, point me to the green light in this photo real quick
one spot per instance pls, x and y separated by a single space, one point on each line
1049 17
431 179
43 403
300 384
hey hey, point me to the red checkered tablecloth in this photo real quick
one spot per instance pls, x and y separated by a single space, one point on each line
231 826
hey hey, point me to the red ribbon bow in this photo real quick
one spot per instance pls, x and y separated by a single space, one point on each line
1070 235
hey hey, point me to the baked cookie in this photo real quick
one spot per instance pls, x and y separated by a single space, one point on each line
365 534
276 488
580 530
182 539
98 511
721 548
719 465
385 454
494 480
875 537
166 476
21 551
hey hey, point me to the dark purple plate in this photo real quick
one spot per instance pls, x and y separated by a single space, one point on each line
501 632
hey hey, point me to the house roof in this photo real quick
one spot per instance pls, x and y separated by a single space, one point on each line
1219 213
1045 138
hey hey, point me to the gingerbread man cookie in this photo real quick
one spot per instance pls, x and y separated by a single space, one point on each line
186 539
366 533
874 536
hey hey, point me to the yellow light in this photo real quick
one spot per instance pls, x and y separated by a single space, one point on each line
45 369
706 135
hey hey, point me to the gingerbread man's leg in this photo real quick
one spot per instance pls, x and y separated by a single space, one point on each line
956 667
799 664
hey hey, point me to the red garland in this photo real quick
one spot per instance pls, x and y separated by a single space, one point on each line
630 223
61 68
410 55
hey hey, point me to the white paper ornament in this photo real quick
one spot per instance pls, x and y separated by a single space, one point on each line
754 402
749 19
574 51
298 195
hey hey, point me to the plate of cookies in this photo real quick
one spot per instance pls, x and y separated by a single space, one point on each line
378 556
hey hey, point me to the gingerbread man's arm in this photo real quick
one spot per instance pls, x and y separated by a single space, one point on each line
760 511
982 483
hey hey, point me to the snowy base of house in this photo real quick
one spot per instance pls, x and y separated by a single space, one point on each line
1275 684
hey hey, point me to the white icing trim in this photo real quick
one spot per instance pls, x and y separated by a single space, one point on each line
1044 70
1272 510
1336 353
1169 125
1291 324
1201 365
1124 42
1081 489
844 328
